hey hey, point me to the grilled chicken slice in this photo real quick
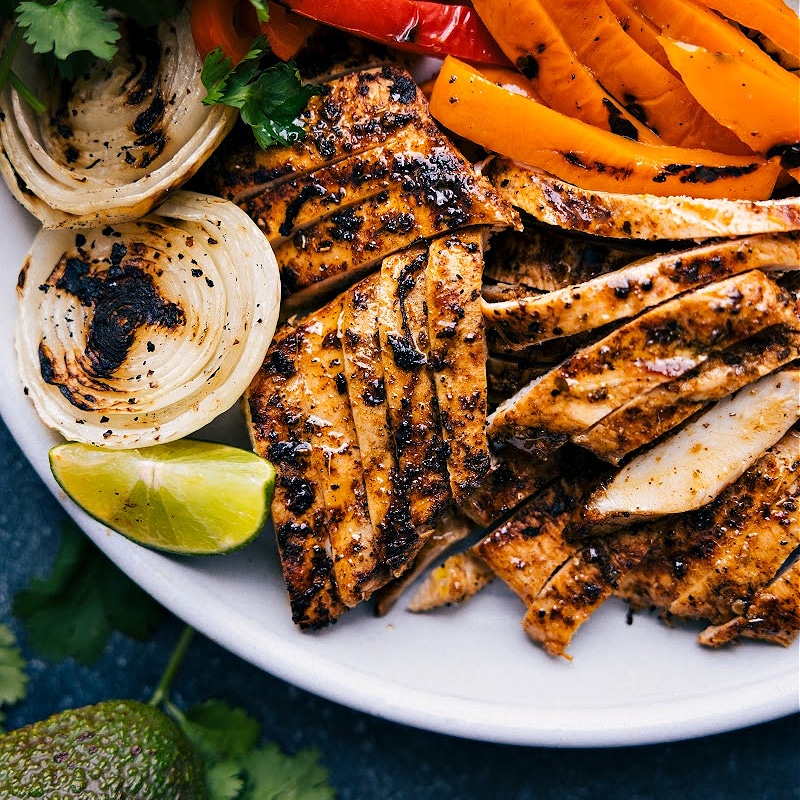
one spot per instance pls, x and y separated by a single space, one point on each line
629 291
514 477
352 114
647 417
688 546
654 348
422 479
357 566
276 406
458 355
303 200
432 190
363 372
773 615
529 546
458 578
548 259
753 553
580 586
451 528
690 468
631 216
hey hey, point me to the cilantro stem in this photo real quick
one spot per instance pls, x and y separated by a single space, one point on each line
7 75
162 690
26 94
7 56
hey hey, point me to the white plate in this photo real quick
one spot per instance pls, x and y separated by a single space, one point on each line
470 672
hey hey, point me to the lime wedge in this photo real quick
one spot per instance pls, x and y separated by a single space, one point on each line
188 497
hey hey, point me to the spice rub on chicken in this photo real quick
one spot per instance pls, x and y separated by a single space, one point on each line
360 419
373 176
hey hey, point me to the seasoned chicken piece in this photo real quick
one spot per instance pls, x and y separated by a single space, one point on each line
753 553
580 586
303 200
627 216
357 567
773 615
422 478
457 579
506 376
628 291
548 259
275 403
432 190
690 468
654 348
458 355
645 418
514 477
529 546
352 113
363 369
688 546
322 403
450 528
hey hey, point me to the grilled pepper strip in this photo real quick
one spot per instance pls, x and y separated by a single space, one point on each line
520 128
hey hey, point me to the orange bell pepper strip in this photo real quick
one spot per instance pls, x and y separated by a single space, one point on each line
773 18
523 129
535 45
762 110
650 92
688 22
641 30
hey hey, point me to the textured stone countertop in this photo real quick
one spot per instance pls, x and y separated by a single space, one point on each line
368 757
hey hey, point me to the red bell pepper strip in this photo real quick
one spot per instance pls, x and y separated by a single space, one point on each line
232 25
417 26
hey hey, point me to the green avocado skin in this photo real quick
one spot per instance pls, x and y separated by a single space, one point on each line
115 750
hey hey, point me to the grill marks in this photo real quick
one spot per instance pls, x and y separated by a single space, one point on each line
373 176
347 409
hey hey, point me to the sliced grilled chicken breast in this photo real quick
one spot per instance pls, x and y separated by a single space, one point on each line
773 615
336 455
688 546
580 586
458 355
423 479
654 348
647 417
690 468
529 546
547 259
277 412
353 113
632 216
628 291
457 579
432 190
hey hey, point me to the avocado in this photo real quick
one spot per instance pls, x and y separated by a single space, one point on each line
115 750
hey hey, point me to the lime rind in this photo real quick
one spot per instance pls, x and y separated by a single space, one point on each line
188 497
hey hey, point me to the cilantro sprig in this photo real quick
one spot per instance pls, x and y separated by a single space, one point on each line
269 99
13 678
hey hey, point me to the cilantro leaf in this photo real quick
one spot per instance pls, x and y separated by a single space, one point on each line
269 100
72 611
224 780
262 12
220 732
13 680
273 775
68 26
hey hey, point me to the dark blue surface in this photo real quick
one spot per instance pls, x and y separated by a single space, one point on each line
367 757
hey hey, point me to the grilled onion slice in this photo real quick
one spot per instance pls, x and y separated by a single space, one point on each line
143 331
115 140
